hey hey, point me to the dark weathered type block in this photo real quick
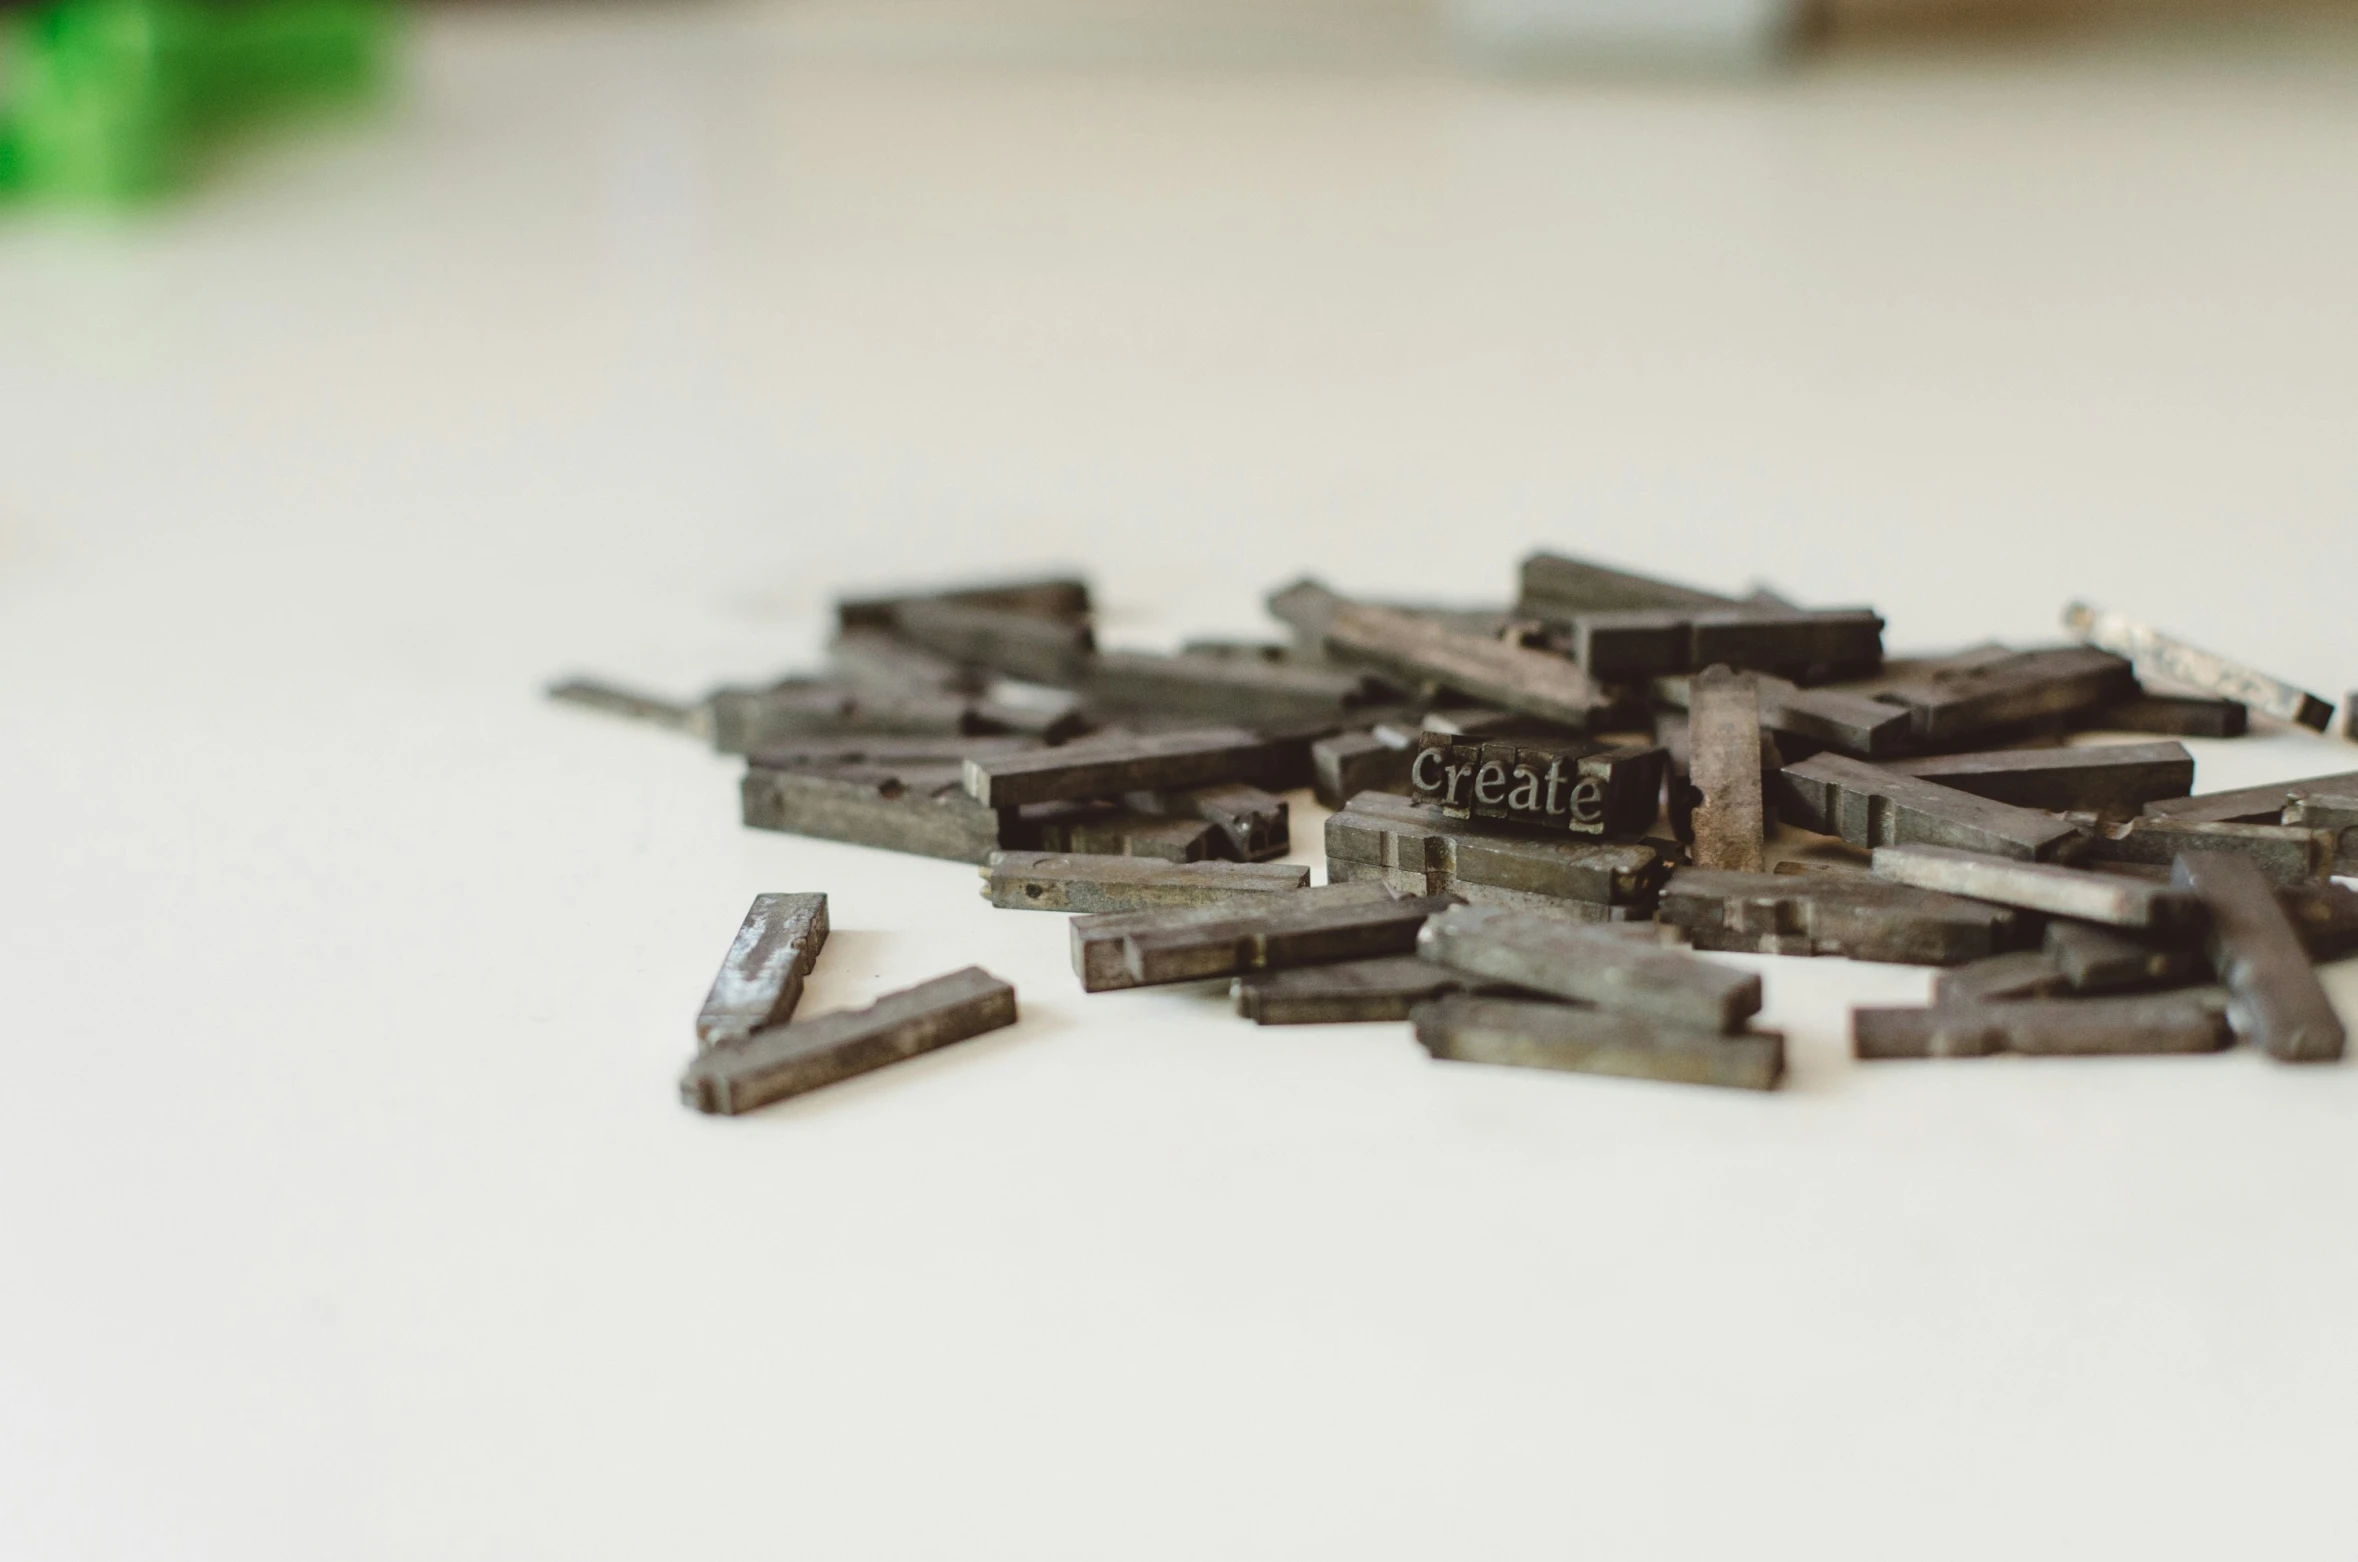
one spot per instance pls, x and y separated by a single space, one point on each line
1868 805
1064 881
2045 1027
1556 588
1060 597
1248 824
2044 887
2278 1001
789 1060
2179 715
1385 988
1017 645
2326 917
1306 927
1350 763
1550 953
1639 643
1538 683
614 700
1853 916
2285 855
1806 720
2251 804
1416 848
2101 959
760 981
2018 691
877 661
2007 978
1730 821
1580 788
1525 1034
2155 654
1109 767
2114 781
853 750
1228 689
1308 606
1105 829
912 808
745 720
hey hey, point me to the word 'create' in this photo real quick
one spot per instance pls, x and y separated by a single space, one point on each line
1582 787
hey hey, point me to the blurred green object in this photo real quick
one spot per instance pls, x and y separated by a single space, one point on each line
116 101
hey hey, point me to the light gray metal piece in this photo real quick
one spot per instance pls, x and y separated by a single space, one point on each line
1565 784
1525 1034
1056 597
2251 804
1109 767
1308 927
1723 730
2179 715
614 700
1350 991
2006 978
2170 1023
2155 654
2101 959
1851 915
1435 854
788 1060
1538 683
1638 643
1350 763
1105 829
905 808
1550 953
877 661
1229 689
2278 1002
1979 697
2043 887
760 981
1557 588
1868 805
2113 780
1097 940
1248 824
1066 881
2284 854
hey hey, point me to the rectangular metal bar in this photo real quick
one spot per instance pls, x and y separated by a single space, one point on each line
2097 959
1462 1028
1018 645
1639 643
760 979
905 808
1538 683
1470 856
790 1060
1105 829
1854 916
2251 804
2326 917
863 750
1577 787
1063 597
2179 715
1979 699
2007 978
2155 654
877 661
2114 780
2172 1023
2335 811
2278 1002
1227 689
1109 767
1549 953
1350 763
1556 587
1868 805
2285 855
2043 887
1347 992
1064 881
614 700
1248 824
1308 606
1097 940
1305 928
1730 820
744 720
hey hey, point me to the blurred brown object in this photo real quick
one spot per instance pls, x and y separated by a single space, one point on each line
1871 18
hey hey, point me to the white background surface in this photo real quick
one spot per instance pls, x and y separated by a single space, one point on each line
348 1209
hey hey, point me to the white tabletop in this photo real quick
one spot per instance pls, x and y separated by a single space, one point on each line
349 1208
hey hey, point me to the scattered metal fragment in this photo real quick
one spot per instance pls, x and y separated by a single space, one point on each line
906 808
1064 881
1868 805
2046 1027
877 661
1551 953
1228 689
1556 588
1724 730
1525 1034
2114 780
2325 916
614 700
1980 698
2335 811
2179 715
1847 914
2006 978
2278 1002
1308 606
2044 887
1091 828
2102 959
1248 824
2158 655
1306 927
1538 683
1638 643
1097 939
1578 787
2252 804
760 980
2284 854
747 719
1416 848
1385 988
854 749
1109 767
1350 763
1055 597
789 1060
1016 644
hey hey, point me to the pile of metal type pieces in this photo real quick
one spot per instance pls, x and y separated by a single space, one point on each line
1541 811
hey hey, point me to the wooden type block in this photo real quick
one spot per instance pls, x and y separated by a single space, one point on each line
1538 683
2097 959
2179 715
1851 915
1059 881
1553 954
1248 824
2171 1023
1013 644
1463 1028
1109 767
2006 978
1350 991
1350 763
905 808
1868 805
1097 940
2112 781
1305 928
1993 697
2278 1002
2045 888
2284 854
760 979
2155 654
1057 597
1557 588
1640 643
789 1060
877 661
1578 787
614 700
1092 828
1225 689
1730 822
2251 804
1433 853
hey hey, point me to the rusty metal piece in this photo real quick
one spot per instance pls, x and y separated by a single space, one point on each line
1983 697
2044 887
1640 643
789 1060
1109 767
614 700
2097 959
1548 952
1350 763
1578 786
1868 805
1851 915
1730 821
760 979
1521 1033
906 808
1415 848
1064 881
2172 1023
1538 683
2178 715
1350 991
2286 855
2277 1000
2155 654
1248 824
2114 780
